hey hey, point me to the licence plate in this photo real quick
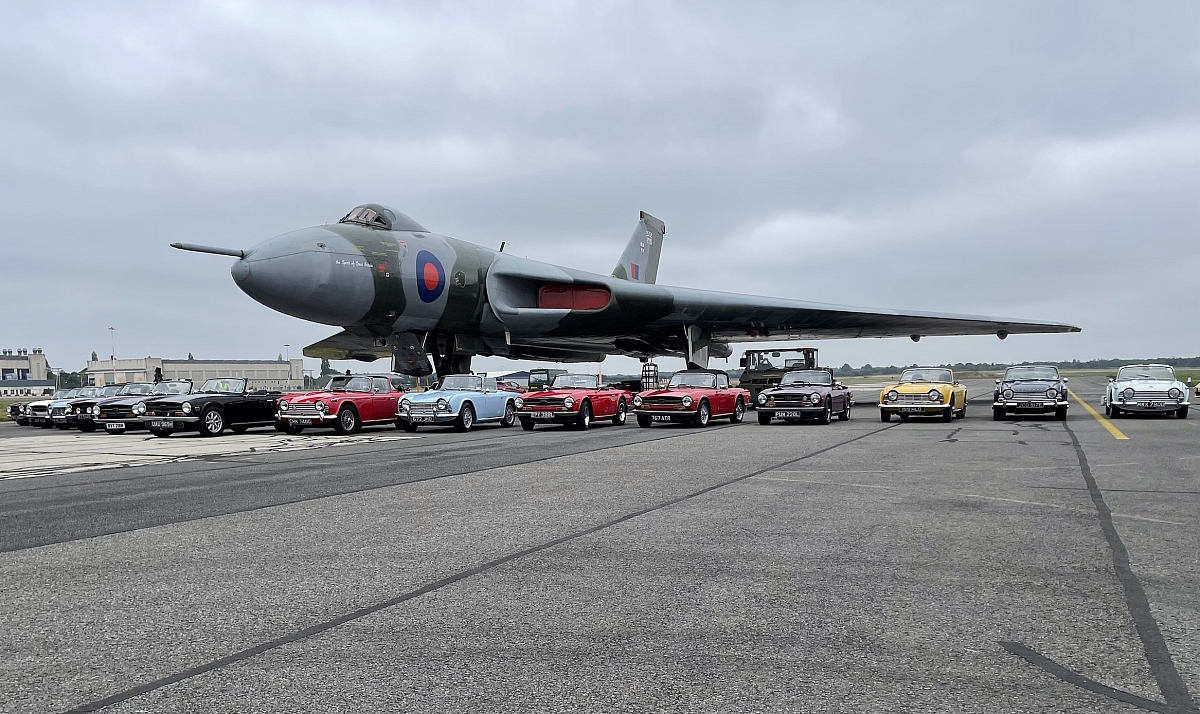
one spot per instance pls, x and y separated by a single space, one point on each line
113 426
542 415
1030 405
660 417
789 415
912 410
162 425
418 419
300 422
1152 405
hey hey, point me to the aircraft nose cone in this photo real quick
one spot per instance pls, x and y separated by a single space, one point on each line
312 274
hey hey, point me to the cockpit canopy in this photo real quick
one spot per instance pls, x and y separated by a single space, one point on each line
375 215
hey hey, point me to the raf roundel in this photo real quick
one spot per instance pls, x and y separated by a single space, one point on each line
431 277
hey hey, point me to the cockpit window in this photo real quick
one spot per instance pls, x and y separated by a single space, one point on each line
377 216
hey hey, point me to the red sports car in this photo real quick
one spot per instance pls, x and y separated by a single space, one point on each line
693 396
346 404
576 399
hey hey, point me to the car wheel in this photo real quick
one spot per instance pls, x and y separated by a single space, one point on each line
826 414
347 421
1113 412
239 429
1060 414
408 426
622 413
644 421
884 415
1181 413
997 414
510 414
764 418
703 412
466 418
948 415
739 412
87 428
212 422
527 424
161 432
844 415
62 427
584 420
293 430
280 426
962 413
902 417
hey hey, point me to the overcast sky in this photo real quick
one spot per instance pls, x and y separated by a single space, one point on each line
1036 160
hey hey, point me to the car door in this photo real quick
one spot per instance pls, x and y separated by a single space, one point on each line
384 398
723 402
493 400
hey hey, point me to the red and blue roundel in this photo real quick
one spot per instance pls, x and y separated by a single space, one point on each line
431 277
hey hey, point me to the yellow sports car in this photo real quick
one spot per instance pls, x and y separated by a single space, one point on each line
924 391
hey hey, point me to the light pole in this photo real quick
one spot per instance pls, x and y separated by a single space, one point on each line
287 353
112 334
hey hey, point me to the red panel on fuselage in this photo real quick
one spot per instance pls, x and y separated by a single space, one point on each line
572 297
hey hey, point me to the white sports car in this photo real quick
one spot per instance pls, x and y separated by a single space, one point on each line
1146 388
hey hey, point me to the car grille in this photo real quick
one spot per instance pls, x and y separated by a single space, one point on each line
301 409
58 411
39 409
544 402
163 412
1147 394
121 413
790 400
420 409
662 401
913 399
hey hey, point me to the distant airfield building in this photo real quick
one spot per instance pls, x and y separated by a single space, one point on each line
24 372
275 375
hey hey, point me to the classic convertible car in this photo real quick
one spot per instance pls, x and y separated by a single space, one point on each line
16 414
1030 389
1146 389
58 407
81 411
575 399
217 404
463 400
805 393
346 404
117 415
693 396
924 391
37 413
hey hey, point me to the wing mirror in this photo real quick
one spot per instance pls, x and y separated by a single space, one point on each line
1066 379
997 382
1189 382
1112 379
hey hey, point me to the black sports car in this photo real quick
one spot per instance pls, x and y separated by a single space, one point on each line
117 415
219 404
81 412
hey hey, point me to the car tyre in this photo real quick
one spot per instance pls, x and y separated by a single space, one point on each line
347 421
844 414
1181 413
622 413
739 412
239 429
87 428
703 413
1060 414
527 424
764 418
584 419
293 430
212 422
826 414
1113 412
948 415
997 414
884 415
163 433
62 427
510 414
466 418
407 426
644 421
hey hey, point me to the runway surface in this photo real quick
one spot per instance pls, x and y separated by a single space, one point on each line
1027 565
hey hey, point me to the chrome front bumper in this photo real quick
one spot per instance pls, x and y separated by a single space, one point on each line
1144 407
1043 404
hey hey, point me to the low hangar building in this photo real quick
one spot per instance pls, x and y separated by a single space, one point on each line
271 375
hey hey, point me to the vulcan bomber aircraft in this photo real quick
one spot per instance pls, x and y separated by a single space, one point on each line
432 302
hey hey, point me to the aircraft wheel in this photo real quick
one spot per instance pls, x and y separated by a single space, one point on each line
703 412
293 430
212 422
997 414
347 421
528 424
739 412
644 421
764 418
466 418
622 413
884 415
826 415
584 420
1181 413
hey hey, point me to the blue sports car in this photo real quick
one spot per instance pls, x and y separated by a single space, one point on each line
463 400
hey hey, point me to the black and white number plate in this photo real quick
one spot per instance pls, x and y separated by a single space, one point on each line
162 425
1030 405
1152 405
912 410
300 422
542 415
114 426
420 419
789 415
661 417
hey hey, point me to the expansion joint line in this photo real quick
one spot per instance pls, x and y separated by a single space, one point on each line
1158 656
323 627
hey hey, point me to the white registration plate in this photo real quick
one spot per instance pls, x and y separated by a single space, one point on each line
789 415
912 410
162 425
661 417
1030 405
114 426
542 415
420 419
300 422
1152 405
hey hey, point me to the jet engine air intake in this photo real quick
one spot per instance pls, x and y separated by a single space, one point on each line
572 297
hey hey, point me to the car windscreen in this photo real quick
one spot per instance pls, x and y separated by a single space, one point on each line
137 388
927 375
776 359
463 382
224 385
111 391
88 392
808 376
1013 374
354 384
574 381
172 387
693 379
1136 372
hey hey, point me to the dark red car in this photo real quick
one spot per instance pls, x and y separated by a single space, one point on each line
693 396
805 393
346 404
576 399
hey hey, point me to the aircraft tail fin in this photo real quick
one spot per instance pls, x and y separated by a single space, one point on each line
639 262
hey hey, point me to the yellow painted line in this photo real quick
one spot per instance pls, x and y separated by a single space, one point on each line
1103 422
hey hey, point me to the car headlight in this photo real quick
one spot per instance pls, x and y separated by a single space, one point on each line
687 401
762 398
320 406
139 408
1174 393
518 402
1128 393
568 402
935 395
1008 394
893 395
95 410
405 406
187 407
1052 393
637 401
283 406
443 405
